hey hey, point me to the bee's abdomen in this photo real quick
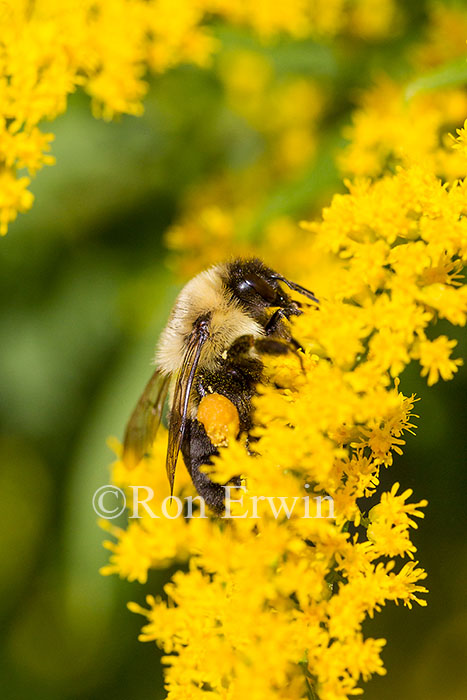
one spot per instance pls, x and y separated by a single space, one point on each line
197 449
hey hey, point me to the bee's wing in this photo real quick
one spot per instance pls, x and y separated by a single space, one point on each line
142 427
179 409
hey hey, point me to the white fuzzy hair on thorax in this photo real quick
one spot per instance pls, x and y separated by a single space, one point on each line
205 293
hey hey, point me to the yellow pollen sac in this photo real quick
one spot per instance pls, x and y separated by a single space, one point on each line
220 419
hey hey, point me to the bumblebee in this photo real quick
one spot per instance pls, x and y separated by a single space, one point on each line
208 363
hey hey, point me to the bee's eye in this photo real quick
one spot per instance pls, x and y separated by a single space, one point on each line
259 285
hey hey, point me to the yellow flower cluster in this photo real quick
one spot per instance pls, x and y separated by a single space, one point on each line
404 124
272 605
49 47
392 129
368 19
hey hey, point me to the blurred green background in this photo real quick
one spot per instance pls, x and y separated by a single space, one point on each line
86 285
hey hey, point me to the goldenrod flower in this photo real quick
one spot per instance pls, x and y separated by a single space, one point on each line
460 142
388 532
435 359
389 130
279 599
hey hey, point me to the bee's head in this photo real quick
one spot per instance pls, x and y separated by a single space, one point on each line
257 288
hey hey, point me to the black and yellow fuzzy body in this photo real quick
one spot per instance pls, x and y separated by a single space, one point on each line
223 320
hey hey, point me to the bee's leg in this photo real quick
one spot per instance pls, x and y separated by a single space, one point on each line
279 346
269 345
272 346
240 347
275 327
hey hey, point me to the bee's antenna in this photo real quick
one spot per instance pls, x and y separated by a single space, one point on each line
298 288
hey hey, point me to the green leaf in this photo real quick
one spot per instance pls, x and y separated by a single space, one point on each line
449 75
